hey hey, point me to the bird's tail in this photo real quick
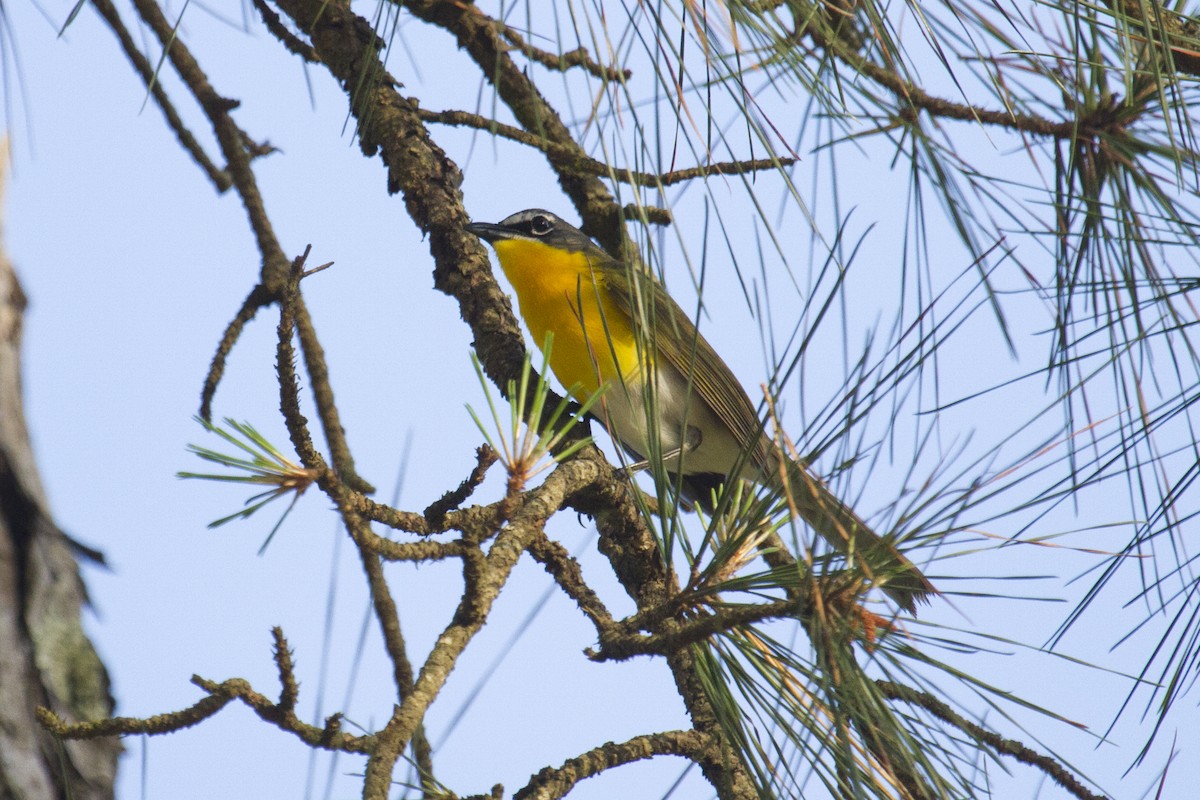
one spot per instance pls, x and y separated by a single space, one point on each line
846 532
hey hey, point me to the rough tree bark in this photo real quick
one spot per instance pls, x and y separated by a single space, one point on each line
45 657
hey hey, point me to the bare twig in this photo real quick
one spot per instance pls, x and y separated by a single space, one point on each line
575 159
912 99
1009 747
220 178
257 298
557 782
578 57
322 390
485 457
220 695
233 141
289 40
290 691
126 726
567 574
393 638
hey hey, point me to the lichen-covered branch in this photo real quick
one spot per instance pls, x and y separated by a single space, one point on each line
578 57
618 644
573 158
331 737
555 782
484 578
1008 747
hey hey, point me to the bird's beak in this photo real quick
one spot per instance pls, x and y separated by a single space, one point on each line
489 231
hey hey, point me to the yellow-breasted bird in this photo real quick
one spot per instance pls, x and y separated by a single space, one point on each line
614 327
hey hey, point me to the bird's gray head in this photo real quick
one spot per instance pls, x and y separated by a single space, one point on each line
537 225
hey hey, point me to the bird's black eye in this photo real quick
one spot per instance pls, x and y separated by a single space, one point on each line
540 225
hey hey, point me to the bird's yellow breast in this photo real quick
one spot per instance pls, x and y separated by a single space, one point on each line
559 292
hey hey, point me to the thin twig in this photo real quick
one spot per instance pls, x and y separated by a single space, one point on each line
557 782
485 457
232 139
289 386
913 99
289 40
393 637
579 57
1009 747
220 178
220 695
290 688
571 157
322 390
258 298
567 574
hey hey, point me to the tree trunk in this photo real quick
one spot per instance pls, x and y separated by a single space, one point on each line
45 658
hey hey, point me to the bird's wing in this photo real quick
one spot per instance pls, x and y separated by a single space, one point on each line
685 349
715 385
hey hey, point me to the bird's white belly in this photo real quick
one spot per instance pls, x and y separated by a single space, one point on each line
686 429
